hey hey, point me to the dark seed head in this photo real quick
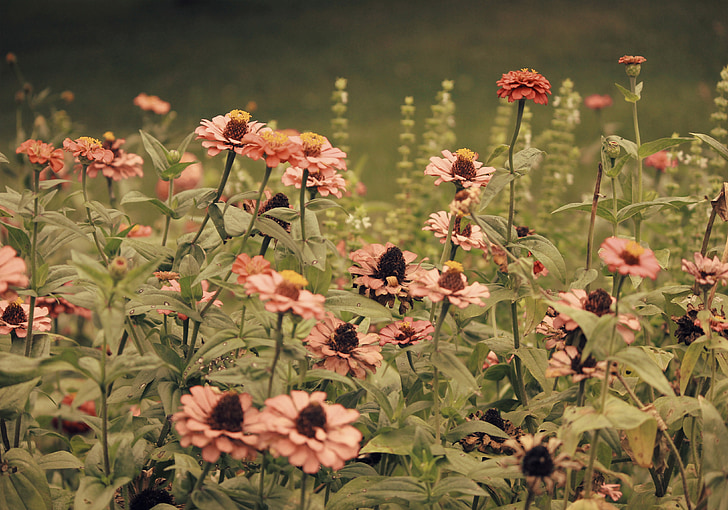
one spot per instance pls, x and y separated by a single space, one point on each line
537 462
309 419
149 498
391 263
227 414
451 280
14 314
598 302
344 339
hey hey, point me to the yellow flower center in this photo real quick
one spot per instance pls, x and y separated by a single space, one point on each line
312 143
525 70
239 115
109 136
632 252
453 266
275 138
294 278
237 125
465 154
91 141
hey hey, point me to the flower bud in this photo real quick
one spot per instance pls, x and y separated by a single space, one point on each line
173 157
118 268
611 149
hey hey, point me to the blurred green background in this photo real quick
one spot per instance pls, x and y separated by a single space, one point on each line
208 57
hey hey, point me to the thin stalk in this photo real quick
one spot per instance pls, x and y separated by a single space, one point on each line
519 388
112 196
276 356
448 239
134 337
84 168
435 371
614 205
261 481
302 505
4 434
220 189
104 412
512 199
592 221
203 475
302 200
167 221
193 340
589 475
251 225
529 499
708 230
638 141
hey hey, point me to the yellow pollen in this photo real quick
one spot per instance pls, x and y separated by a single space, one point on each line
90 141
275 138
294 278
18 301
465 154
311 141
456 267
109 136
405 324
239 115
633 251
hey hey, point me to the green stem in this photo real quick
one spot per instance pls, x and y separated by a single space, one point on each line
276 356
589 474
220 189
446 247
112 196
519 388
592 221
637 139
302 505
435 371
193 341
261 481
512 200
302 200
4 434
708 230
84 168
253 219
167 221
104 411
203 475
134 337
529 499
614 205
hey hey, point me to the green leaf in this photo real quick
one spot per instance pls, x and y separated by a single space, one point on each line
618 165
93 494
535 360
714 144
343 301
456 485
545 252
218 220
473 426
23 484
156 151
603 211
629 96
623 416
3 158
715 451
676 202
455 370
649 148
497 151
370 491
15 369
59 460
319 204
328 375
175 170
645 367
384 403
524 160
578 420
13 398
498 181
211 498
135 197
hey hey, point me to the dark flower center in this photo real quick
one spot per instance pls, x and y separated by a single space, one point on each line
237 126
631 253
309 419
466 231
451 280
406 330
391 263
149 498
687 332
523 231
14 314
493 417
227 414
537 462
288 289
277 200
464 168
598 302
344 339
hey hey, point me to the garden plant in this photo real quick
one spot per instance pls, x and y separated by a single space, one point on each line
256 333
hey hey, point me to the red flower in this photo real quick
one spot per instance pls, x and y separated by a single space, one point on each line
285 291
628 257
598 102
42 154
152 104
245 266
123 164
88 150
632 60
524 84
12 271
660 160
275 146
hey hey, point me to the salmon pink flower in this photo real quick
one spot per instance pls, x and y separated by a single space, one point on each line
524 84
469 237
628 257
460 168
343 349
318 153
88 150
70 426
245 266
175 287
406 332
226 132
384 272
187 180
12 271
326 181
275 146
490 360
308 431
450 285
598 102
217 423
58 305
660 161
285 291
569 362
631 60
152 104
137 230
41 154
707 272
14 318
123 165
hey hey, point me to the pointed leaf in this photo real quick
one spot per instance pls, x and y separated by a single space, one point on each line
714 144
629 96
649 148
645 367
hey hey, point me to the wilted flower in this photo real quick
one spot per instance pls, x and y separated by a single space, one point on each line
597 101
452 284
149 498
628 257
14 318
469 237
465 201
460 168
88 150
406 332
308 431
123 165
486 443
539 462
245 266
217 423
166 276
12 271
285 291
660 160
569 362
690 329
707 272
152 104
44 155
226 132
343 349
524 84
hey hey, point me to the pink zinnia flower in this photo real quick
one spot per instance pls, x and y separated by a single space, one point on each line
123 165
275 146
597 101
524 84
490 360
318 153
343 349
88 150
660 160
188 179
206 296
226 132
598 302
137 230
632 60
285 291
628 257
611 490
42 154
12 270
707 272
217 423
406 332
469 237
452 285
152 104
58 305
460 168
327 181
308 431
14 318
245 266
383 272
